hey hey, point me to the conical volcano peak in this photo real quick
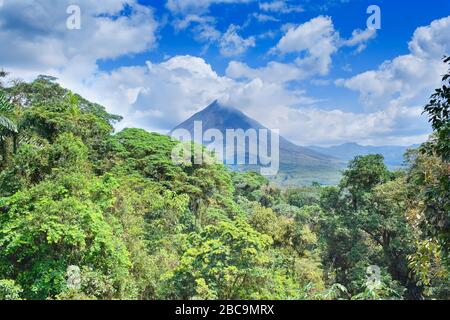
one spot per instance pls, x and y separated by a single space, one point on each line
214 105
221 117
217 106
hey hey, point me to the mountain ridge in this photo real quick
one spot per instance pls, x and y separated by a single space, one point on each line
393 155
298 165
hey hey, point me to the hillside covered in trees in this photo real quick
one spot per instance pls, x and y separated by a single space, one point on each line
74 193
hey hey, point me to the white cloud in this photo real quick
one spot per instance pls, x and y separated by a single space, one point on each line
39 41
306 126
207 33
320 82
274 72
394 94
360 38
189 19
301 120
281 6
232 44
309 36
264 97
156 96
264 17
408 79
317 39
313 42
229 42
431 42
159 96
196 6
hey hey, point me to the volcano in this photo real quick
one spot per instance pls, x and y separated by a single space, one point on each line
299 166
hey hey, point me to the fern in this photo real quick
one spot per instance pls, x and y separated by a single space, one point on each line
5 106
7 124
5 109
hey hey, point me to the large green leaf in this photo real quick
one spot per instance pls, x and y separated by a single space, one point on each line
5 109
5 106
7 124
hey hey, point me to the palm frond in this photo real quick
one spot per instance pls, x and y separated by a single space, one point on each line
8 124
30 140
5 106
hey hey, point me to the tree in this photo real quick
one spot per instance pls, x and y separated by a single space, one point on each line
438 110
229 261
426 214
3 74
365 223
9 290
8 129
60 222
362 175
437 188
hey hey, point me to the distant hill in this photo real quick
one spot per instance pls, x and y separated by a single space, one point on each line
298 165
393 155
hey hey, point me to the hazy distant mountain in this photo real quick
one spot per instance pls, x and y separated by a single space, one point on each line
298 165
393 155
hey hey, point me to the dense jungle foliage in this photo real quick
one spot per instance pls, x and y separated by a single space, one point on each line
74 193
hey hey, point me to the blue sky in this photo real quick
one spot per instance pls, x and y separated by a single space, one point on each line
309 68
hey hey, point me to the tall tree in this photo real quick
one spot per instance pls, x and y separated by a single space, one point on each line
437 191
8 129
